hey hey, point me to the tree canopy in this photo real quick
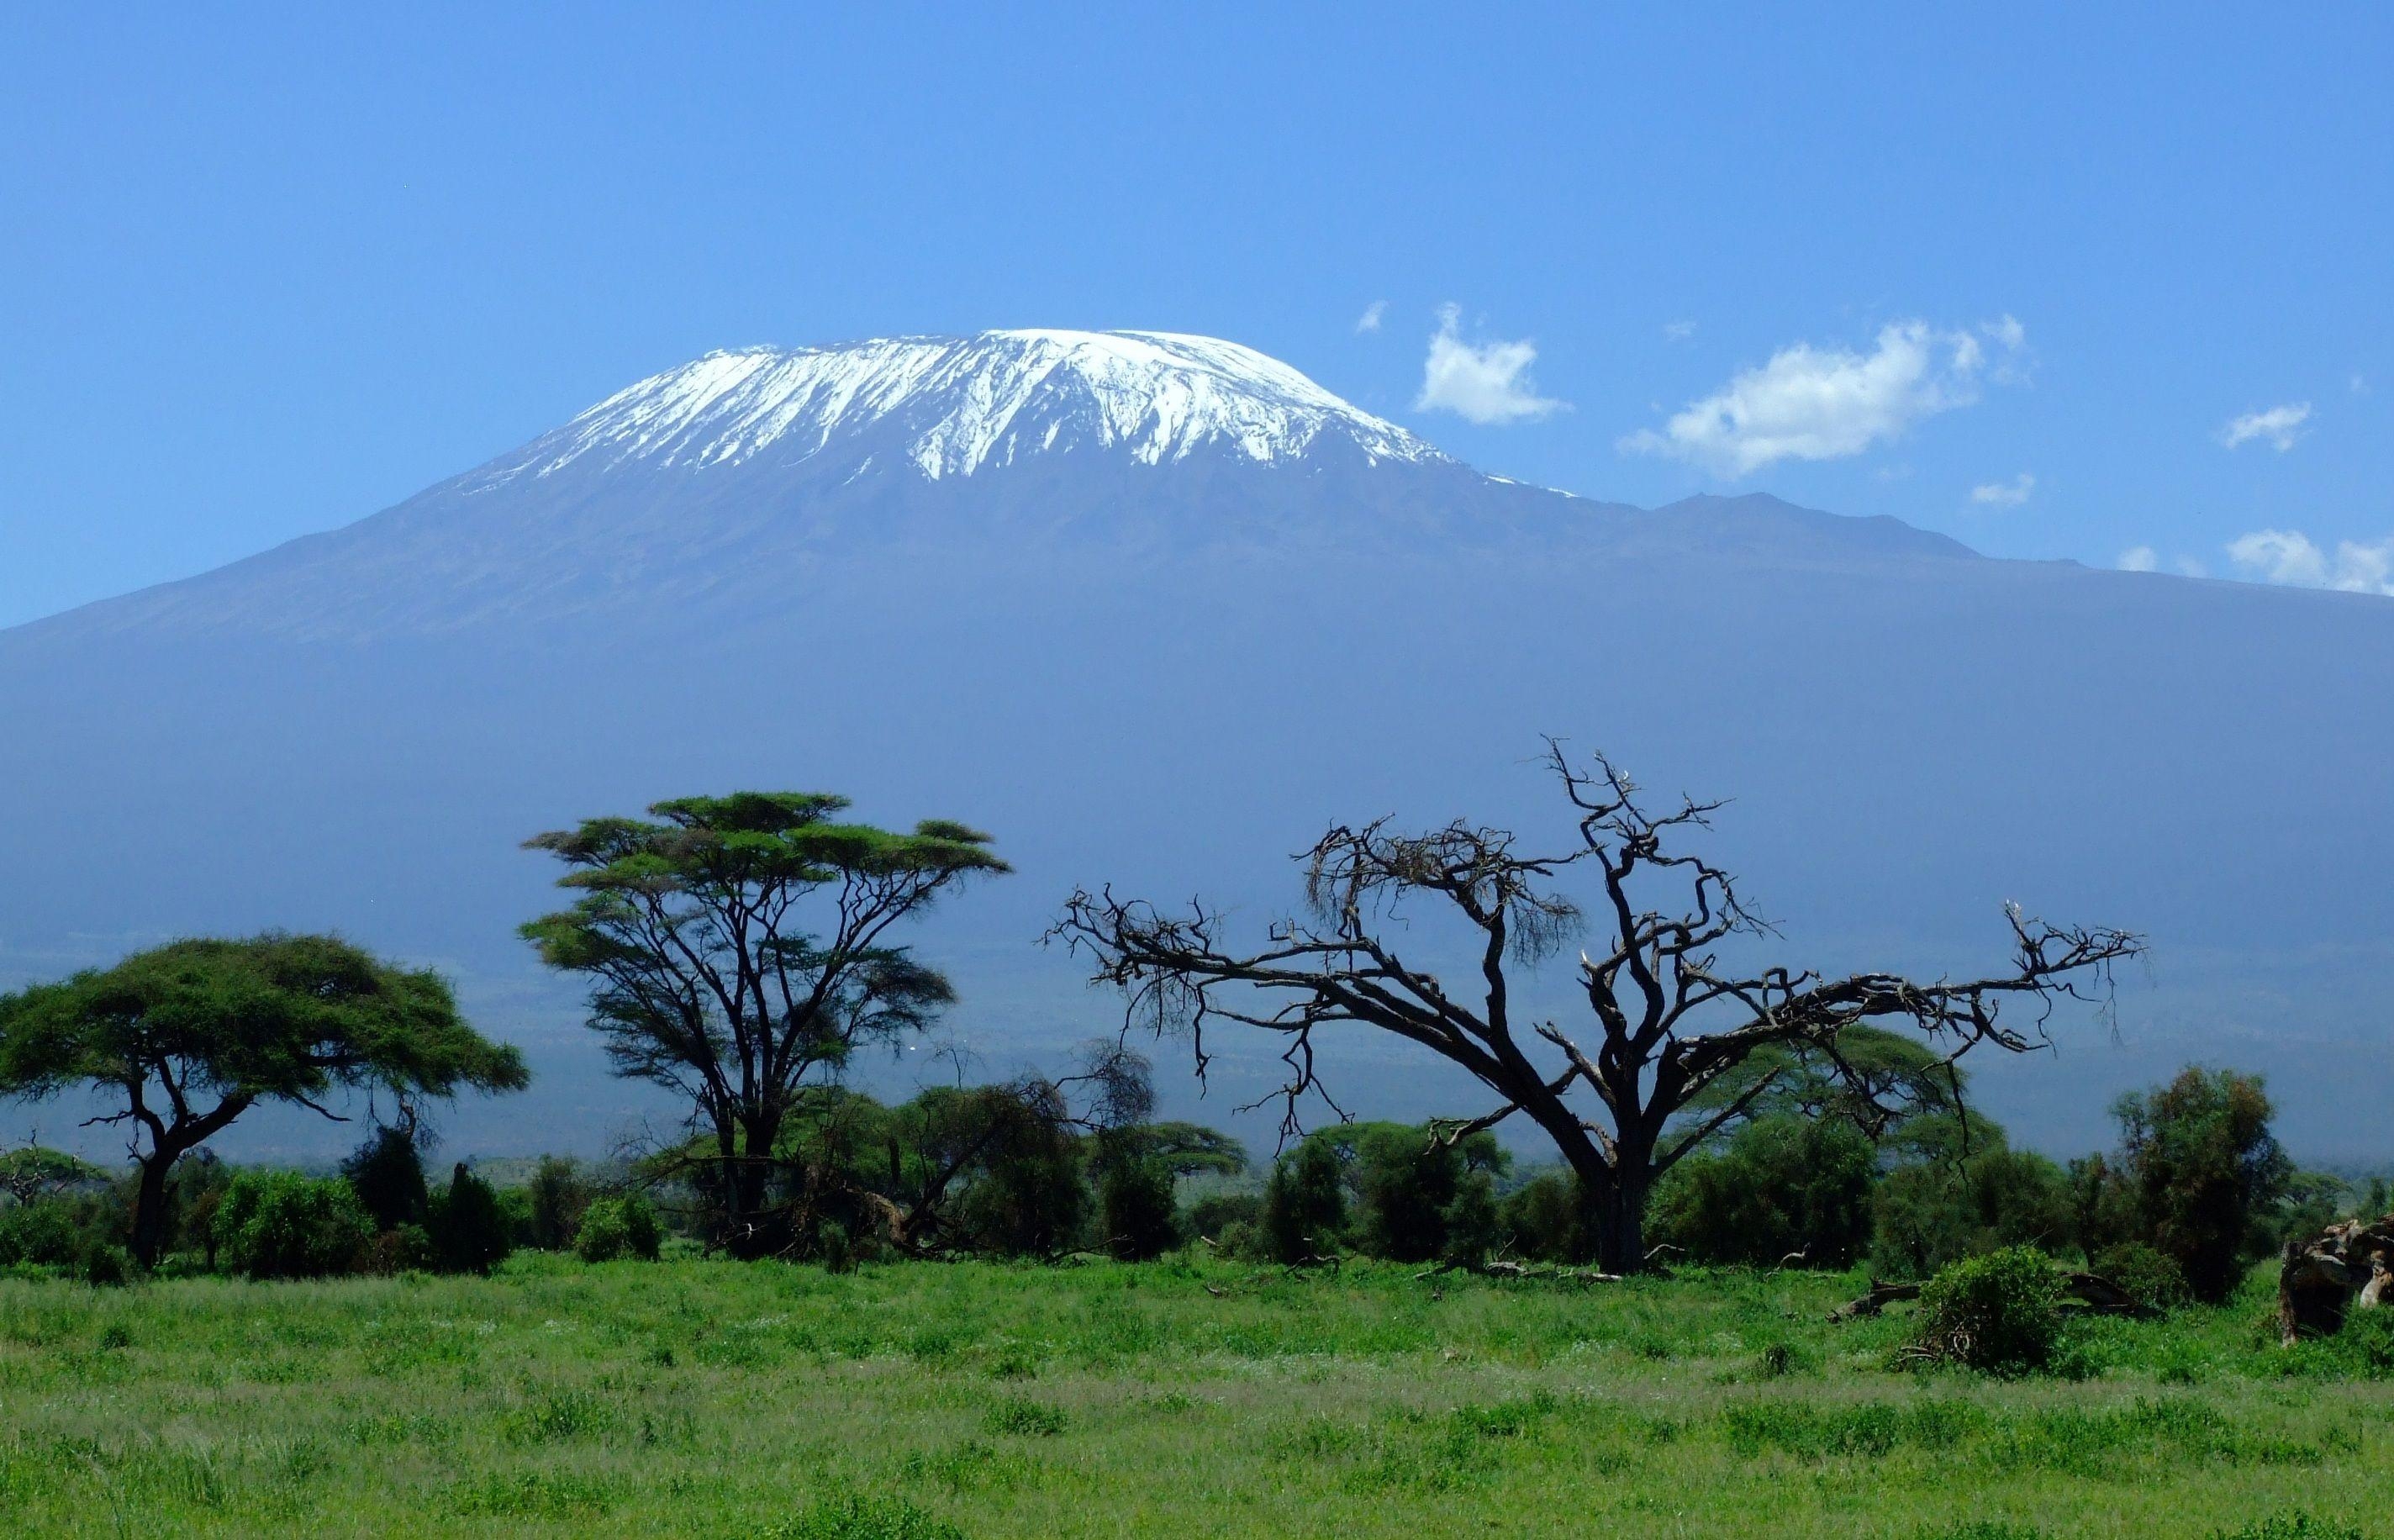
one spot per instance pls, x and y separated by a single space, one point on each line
186 1038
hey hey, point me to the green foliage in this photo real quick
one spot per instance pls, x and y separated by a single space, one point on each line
2000 1313
1784 1186
2150 1278
614 1229
468 1229
555 1200
1927 1214
2202 1166
280 1224
42 1234
1406 1180
1135 1208
195 1033
387 1173
1545 1219
1304 1204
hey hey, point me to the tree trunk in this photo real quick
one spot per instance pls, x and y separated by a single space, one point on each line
149 1208
754 1231
1619 1216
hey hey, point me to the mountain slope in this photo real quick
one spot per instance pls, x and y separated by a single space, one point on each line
1154 611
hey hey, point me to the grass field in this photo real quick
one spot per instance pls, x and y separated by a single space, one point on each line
719 1398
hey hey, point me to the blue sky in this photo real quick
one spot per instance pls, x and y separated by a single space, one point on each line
266 271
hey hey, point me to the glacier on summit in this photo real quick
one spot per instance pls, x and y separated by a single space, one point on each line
963 403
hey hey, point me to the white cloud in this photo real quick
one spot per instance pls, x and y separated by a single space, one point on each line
2004 494
2358 384
2008 332
1373 314
1824 403
1488 382
2140 559
1678 331
2290 557
2189 567
2278 427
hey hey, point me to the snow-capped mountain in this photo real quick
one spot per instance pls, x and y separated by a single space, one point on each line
1154 609
950 406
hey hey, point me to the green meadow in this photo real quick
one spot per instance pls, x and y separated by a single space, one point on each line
925 1402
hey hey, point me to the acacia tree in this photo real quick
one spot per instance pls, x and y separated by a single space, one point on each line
192 1034
1670 1018
693 926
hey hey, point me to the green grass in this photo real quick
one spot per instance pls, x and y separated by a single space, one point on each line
929 1402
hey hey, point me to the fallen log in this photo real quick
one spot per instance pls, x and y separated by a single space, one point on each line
1879 1298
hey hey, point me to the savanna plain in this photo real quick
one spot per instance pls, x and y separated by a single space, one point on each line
1190 1396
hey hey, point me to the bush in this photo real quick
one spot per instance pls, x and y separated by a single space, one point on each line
1546 1218
1135 1205
41 1233
1214 1213
1784 1185
280 1224
614 1228
2000 1313
407 1249
2151 1279
388 1175
468 1229
1406 1180
1926 1216
555 1202
1304 1204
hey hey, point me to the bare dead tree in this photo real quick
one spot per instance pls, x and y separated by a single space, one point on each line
1669 1018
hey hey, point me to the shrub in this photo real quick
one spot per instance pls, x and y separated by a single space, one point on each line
1215 1213
2000 1313
1135 1205
1927 1215
280 1224
42 1234
614 1228
2151 1279
468 1229
1784 1185
555 1202
1304 1204
407 1249
1546 1218
1406 1180
388 1175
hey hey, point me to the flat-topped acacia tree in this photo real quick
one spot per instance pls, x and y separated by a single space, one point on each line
189 1036
739 953
1670 1020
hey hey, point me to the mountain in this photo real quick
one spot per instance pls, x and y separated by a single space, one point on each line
1155 609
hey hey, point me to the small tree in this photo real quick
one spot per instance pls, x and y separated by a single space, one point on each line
190 1035
1671 1017
467 1227
557 1198
387 1173
2202 1166
1304 1204
739 953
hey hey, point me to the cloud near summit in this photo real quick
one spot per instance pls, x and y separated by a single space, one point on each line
1825 403
1484 383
